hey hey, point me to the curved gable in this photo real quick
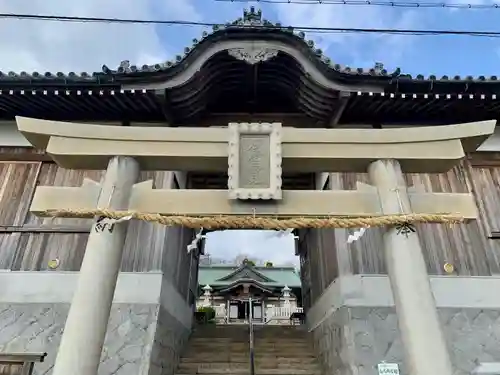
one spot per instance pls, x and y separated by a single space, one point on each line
253 40
246 272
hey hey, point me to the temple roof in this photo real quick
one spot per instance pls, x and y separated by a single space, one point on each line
250 65
223 276
251 23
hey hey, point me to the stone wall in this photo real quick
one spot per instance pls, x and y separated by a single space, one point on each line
354 340
333 342
149 323
38 328
355 327
173 327
169 340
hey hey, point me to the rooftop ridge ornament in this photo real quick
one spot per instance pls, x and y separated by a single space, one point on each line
124 66
252 17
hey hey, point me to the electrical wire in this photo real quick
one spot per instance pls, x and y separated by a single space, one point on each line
393 4
309 29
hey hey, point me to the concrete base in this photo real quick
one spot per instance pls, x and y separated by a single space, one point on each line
146 331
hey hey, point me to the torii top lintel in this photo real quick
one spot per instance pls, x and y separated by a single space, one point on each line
419 149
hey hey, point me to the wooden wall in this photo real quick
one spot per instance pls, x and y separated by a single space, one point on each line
29 243
325 254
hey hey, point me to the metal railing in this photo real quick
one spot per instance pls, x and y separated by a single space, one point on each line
20 363
273 315
250 336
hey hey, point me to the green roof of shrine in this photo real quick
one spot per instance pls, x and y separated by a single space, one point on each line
222 275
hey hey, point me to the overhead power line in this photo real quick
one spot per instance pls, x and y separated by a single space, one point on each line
392 4
309 29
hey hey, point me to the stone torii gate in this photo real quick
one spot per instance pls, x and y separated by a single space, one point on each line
254 155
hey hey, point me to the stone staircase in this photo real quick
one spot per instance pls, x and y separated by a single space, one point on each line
224 349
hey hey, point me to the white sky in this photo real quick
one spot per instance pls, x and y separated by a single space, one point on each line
263 245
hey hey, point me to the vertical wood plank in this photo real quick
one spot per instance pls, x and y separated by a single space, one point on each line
466 246
53 175
8 248
366 256
34 251
154 247
17 185
145 243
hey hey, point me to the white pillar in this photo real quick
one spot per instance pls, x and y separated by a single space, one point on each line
81 344
421 333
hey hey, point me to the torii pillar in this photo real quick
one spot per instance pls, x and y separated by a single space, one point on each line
424 344
85 330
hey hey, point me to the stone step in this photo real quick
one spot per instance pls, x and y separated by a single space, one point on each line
256 339
258 329
280 333
245 356
228 340
221 328
290 350
258 371
246 359
246 353
245 335
225 342
303 363
224 366
282 337
215 359
282 344
241 354
219 339
245 371
224 350
261 344
279 328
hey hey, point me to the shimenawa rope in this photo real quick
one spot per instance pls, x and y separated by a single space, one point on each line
261 222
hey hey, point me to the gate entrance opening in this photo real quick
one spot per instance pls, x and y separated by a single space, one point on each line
241 264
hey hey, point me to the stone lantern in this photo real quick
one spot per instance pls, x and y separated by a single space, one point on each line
286 295
207 295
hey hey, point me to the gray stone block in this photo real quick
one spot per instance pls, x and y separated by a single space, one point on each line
168 345
366 336
38 328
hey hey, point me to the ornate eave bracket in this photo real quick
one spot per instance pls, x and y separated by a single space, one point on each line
253 55
254 161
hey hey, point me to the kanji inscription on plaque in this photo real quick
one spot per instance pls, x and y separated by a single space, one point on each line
254 161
